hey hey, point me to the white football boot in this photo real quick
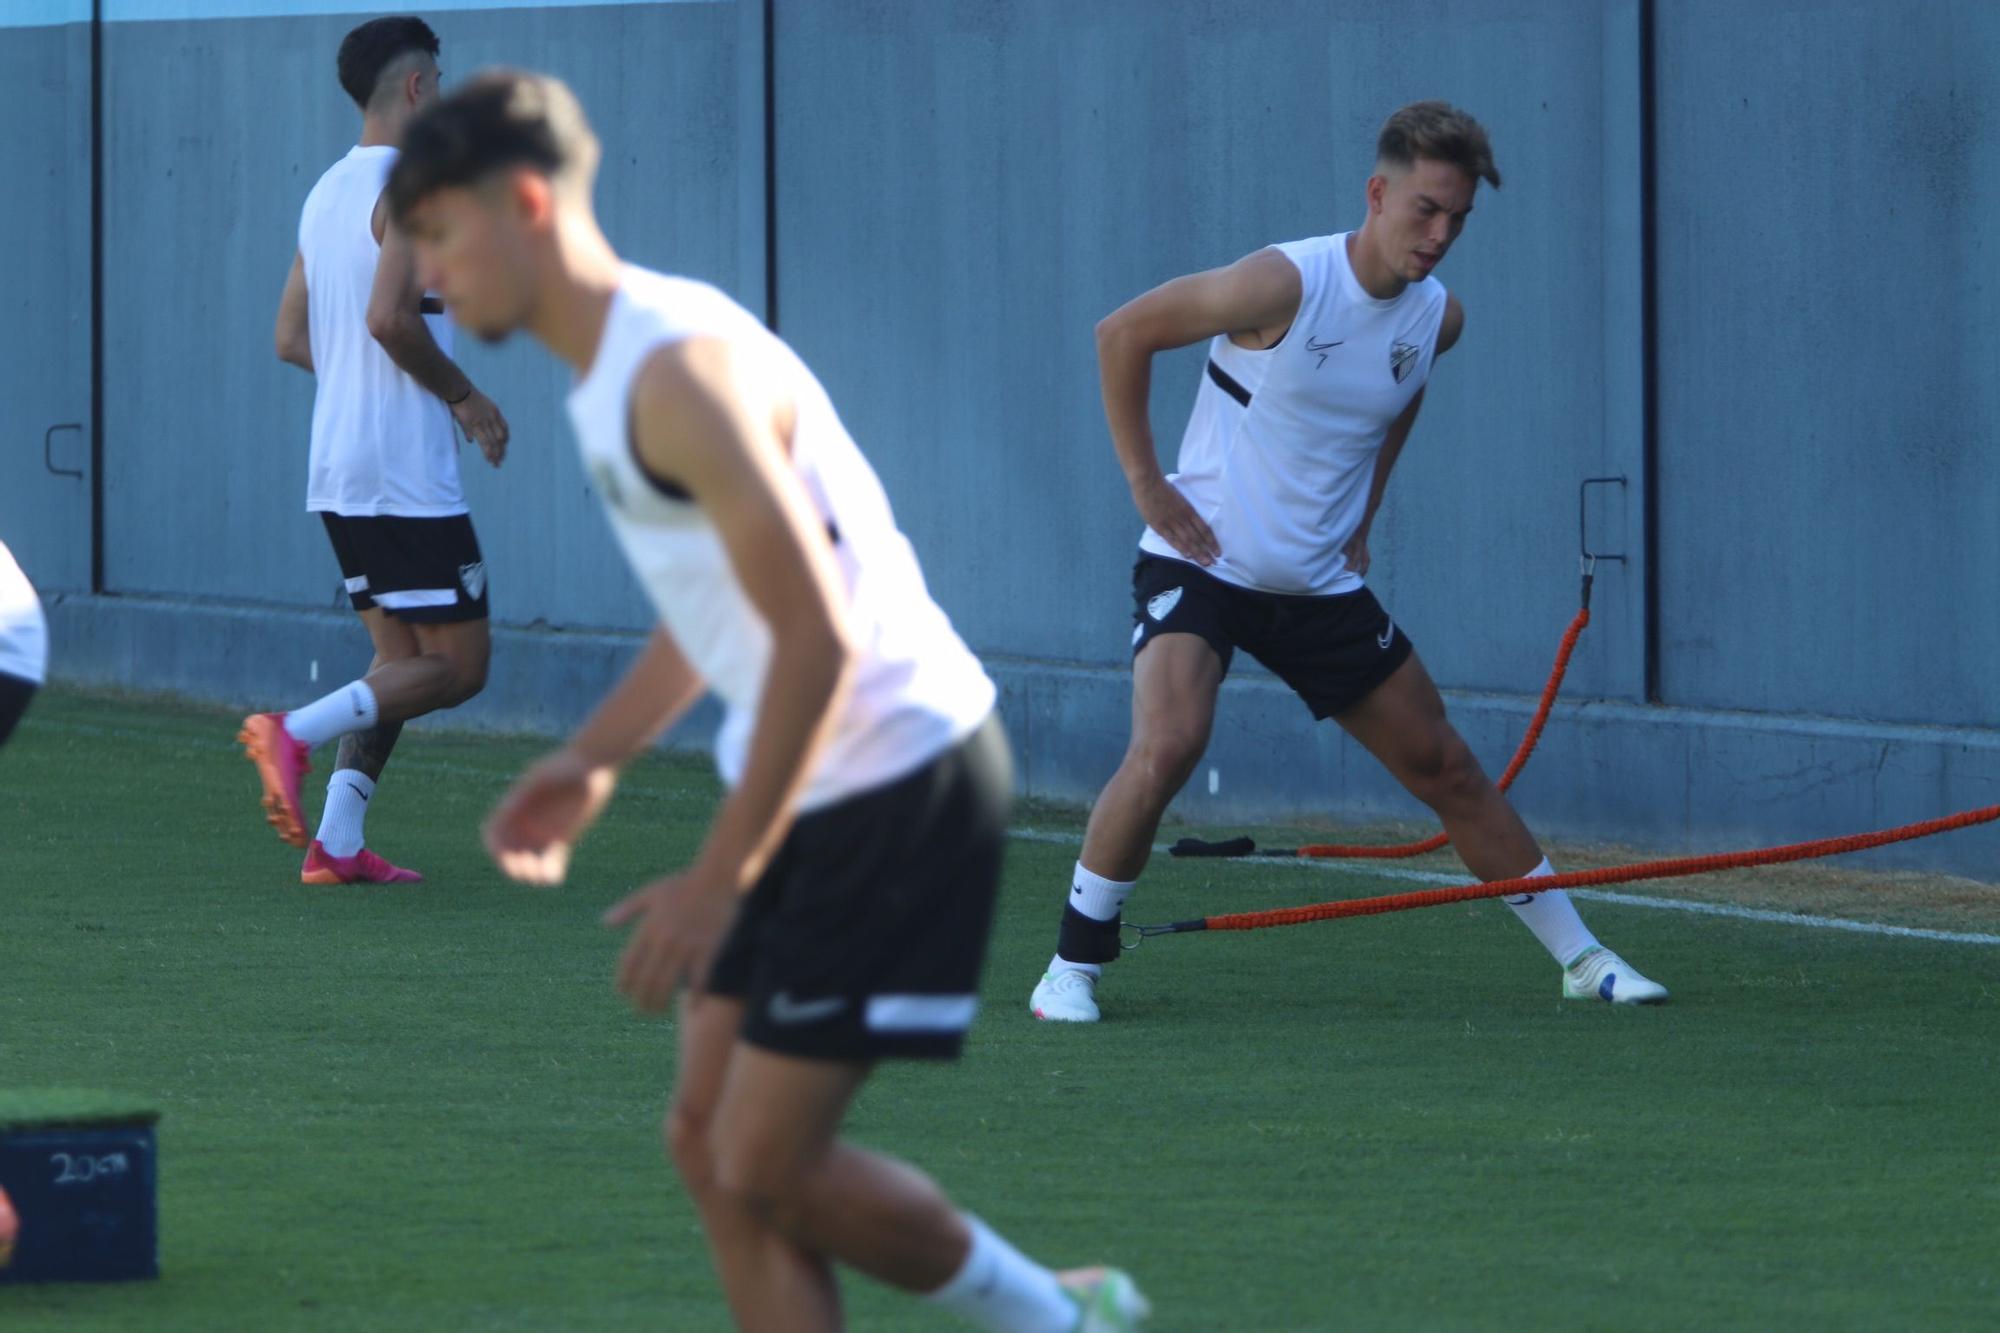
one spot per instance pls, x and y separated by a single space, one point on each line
1065 995
1108 1300
1599 974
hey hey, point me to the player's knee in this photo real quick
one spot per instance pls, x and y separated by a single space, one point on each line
469 677
779 1206
1463 779
760 1183
1165 755
685 1133
1446 775
465 677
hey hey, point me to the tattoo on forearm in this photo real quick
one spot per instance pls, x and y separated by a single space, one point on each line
368 750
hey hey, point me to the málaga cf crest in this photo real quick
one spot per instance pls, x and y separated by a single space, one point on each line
1403 360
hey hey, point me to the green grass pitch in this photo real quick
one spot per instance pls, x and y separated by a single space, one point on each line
424 1108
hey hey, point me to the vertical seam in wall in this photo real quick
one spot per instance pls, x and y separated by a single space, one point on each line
97 296
1649 369
770 168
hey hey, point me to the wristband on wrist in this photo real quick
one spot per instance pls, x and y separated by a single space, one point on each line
454 402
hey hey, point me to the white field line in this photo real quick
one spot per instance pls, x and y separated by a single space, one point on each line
1588 895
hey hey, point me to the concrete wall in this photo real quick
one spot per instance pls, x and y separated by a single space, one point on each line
1828 393
45 292
964 186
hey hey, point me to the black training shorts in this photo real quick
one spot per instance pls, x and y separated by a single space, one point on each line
866 936
425 570
15 692
1332 651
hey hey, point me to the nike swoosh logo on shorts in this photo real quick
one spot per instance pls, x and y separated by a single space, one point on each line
784 1009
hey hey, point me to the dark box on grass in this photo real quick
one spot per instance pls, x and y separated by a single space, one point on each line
81 1172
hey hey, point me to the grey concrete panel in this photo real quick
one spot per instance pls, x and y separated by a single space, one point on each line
216 133
1828 401
966 187
45 302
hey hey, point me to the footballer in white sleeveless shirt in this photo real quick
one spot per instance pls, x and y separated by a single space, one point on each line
918 689
382 445
382 470
839 909
1319 352
1280 448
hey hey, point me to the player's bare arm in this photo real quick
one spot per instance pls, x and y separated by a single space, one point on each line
706 420
294 331
1356 549
536 826
1451 328
396 321
1253 300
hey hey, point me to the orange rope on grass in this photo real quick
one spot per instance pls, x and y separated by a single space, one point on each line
1626 874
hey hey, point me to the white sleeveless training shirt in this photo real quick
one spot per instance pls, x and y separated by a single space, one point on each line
381 443
918 689
24 633
1280 450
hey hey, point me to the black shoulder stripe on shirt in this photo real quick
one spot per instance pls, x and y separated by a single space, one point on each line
1227 383
666 486
673 490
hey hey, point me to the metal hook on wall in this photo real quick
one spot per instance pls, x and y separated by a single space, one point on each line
48 450
1583 521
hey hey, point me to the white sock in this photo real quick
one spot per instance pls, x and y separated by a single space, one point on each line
349 708
1552 916
347 793
1004 1291
1098 898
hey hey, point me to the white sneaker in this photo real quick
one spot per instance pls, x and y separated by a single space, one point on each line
1602 975
1065 995
1108 1300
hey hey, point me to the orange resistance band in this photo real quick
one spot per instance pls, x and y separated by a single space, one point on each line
1668 869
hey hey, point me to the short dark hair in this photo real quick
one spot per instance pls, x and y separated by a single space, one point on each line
1441 132
376 45
498 118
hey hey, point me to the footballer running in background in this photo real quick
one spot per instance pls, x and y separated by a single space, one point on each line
383 475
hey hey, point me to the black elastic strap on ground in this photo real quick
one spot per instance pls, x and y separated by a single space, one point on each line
1085 939
1203 847
1227 383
